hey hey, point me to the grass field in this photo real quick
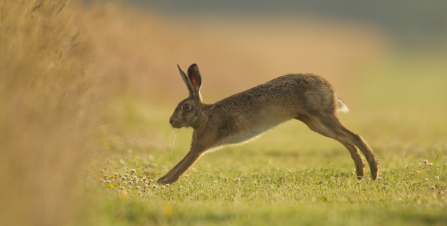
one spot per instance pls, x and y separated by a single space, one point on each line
89 91
291 176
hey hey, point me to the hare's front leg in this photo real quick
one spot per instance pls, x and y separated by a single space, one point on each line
174 174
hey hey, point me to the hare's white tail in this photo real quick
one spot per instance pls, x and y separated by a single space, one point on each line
342 106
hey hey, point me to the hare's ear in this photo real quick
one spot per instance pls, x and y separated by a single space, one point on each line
186 80
195 80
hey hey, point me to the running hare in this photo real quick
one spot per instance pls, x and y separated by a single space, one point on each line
246 115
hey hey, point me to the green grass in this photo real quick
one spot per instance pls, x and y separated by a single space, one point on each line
290 176
245 186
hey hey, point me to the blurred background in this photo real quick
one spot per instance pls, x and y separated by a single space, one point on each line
412 22
255 41
80 77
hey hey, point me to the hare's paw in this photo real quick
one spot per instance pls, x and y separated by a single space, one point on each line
374 166
375 174
360 171
162 180
167 180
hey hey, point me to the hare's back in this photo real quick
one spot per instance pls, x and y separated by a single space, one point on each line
293 83
284 97
308 92
297 92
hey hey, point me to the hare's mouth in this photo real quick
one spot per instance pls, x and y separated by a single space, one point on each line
175 123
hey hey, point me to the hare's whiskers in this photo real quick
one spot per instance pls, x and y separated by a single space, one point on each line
168 139
173 140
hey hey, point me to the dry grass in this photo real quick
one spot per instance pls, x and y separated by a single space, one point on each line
61 65
49 111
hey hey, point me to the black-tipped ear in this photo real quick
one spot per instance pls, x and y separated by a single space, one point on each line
187 82
194 77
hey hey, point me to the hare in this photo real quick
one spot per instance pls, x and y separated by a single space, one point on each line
246 115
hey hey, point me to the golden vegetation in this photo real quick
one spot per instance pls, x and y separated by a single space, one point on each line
50 109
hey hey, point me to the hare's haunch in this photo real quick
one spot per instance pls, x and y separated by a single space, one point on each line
246 115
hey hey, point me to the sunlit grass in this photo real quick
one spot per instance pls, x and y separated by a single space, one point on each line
243 186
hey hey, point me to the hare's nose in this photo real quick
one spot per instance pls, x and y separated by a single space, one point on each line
171 120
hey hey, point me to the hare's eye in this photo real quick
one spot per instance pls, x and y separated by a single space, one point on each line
186 107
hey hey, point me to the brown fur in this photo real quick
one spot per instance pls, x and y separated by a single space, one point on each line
244 116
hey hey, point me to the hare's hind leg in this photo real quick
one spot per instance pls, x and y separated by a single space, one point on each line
331 123
315 126
358 141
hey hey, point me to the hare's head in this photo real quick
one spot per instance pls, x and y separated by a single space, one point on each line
188 110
